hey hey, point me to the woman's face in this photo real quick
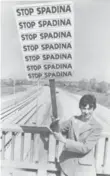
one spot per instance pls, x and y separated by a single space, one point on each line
86 112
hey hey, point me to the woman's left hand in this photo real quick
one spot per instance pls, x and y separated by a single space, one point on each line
59 137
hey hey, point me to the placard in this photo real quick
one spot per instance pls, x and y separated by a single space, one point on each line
46 33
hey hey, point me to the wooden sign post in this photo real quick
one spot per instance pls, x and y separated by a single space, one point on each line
53 97
54 111
53 102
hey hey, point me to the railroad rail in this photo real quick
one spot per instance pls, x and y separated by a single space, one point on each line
26 110
7 112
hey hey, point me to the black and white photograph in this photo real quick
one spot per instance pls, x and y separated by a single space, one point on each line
55 88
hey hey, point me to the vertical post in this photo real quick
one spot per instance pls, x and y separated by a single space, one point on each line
105 152
96 154
14 90
22 146
36 144
54 112
53 97
12 146
51 149
3 145
32 147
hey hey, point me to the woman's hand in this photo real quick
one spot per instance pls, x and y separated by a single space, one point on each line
59 137
55 119
55 124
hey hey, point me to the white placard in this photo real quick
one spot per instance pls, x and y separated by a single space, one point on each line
46 33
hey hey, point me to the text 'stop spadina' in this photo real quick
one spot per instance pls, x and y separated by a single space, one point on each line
44 10
47 46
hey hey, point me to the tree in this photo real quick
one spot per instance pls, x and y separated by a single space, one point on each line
93 84
102 87
83 84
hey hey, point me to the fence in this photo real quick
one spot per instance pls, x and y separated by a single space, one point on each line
47 164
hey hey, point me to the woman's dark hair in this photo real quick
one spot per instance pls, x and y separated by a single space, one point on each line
88 99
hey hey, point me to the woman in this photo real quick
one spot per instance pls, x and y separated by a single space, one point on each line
82 133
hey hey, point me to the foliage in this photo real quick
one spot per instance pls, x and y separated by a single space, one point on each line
83 84
93 85
12 82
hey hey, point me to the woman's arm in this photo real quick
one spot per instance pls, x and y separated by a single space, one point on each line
80 147
85 146
63 127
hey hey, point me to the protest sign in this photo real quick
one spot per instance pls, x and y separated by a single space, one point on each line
46 35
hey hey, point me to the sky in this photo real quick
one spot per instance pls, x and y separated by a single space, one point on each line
91 40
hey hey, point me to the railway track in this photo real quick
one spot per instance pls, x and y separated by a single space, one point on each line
6 113
26 110
21 114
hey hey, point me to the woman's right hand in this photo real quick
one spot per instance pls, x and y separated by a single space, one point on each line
55 123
